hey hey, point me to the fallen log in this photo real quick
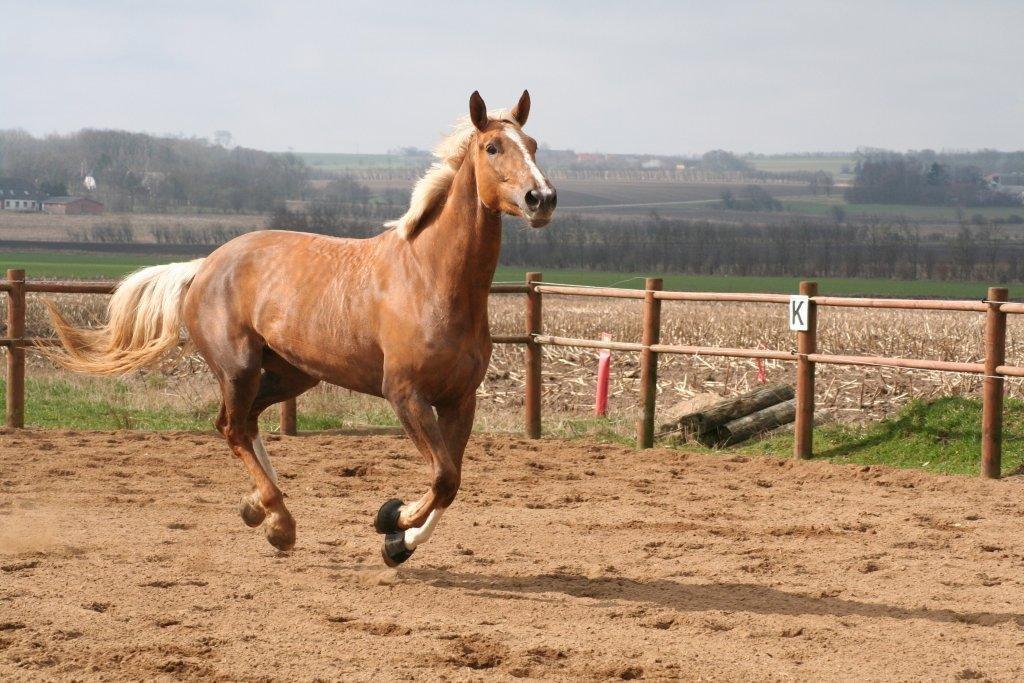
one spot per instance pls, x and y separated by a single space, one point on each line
749 426
712 418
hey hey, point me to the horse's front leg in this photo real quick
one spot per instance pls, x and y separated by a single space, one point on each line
406 526
456 423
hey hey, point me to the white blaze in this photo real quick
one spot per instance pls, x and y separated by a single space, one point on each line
513 135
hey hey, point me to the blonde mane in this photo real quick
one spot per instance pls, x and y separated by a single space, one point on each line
431 190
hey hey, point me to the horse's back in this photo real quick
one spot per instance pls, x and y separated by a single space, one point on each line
303 295
258 262
283 246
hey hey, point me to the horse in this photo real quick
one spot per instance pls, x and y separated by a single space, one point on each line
401 315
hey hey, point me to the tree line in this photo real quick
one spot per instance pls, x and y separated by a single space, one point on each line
140 172
799 248
889 178
873 248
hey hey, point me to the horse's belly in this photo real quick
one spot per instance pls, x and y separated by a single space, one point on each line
355 366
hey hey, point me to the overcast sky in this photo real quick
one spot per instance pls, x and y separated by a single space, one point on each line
672 77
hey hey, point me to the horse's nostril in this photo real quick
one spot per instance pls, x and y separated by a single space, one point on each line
533 199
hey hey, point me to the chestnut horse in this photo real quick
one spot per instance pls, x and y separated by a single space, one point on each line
402 315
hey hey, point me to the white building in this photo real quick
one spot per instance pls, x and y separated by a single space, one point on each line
19 195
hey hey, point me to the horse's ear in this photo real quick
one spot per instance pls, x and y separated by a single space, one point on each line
477 111
521 111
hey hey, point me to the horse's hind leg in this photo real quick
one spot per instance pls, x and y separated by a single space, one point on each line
237 361
239 394
279 382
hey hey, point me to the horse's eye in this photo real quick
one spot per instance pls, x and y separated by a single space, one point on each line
492 150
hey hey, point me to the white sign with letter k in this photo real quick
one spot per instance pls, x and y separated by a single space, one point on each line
798 307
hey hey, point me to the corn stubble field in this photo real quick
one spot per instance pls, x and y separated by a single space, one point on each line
844 394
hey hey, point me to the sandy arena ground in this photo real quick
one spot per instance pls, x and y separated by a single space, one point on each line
123 557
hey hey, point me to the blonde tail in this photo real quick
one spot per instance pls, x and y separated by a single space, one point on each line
143 323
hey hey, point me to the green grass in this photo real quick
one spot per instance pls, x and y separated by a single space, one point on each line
106 266
942 436
104 404
821 205
66 405
52 264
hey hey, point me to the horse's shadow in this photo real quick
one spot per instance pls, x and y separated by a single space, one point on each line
690 597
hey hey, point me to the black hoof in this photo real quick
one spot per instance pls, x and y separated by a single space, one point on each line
394 551
387 517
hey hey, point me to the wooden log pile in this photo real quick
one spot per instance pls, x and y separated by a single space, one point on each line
734 420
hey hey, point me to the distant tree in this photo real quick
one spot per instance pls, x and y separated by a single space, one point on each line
962 250
222 138
718 160
54 188
888 178
827 183
761 199
838 214
755 198
728 200
346 190
937 175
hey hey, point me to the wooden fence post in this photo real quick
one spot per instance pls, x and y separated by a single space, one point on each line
534 356
806 342
992 386
15 413
649 362
289 417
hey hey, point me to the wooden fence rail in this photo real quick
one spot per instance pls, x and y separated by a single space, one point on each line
993 370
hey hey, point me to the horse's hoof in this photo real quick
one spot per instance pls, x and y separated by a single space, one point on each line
252 511
280 530
394 551
387 517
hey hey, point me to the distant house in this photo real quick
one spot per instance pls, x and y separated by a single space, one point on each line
18 195
1007 183
72 205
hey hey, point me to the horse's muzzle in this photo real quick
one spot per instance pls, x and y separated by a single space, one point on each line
539 206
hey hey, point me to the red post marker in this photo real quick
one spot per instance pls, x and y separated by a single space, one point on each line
762 376
604 365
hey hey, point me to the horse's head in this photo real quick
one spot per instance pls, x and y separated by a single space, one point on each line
507 177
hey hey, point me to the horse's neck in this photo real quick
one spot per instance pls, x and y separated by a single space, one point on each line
463 244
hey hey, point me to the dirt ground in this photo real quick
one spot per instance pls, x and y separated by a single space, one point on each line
123 557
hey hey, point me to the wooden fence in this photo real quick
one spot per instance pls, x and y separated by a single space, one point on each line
995 306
